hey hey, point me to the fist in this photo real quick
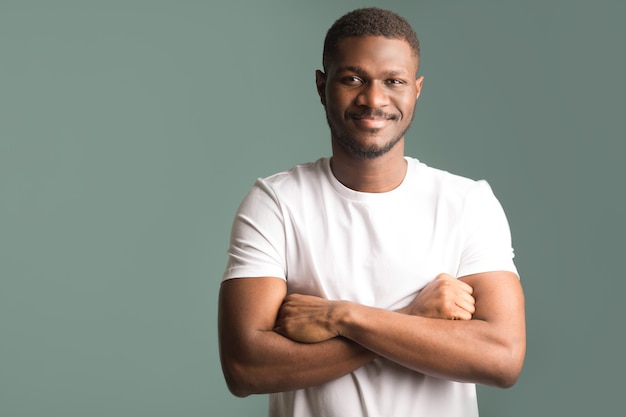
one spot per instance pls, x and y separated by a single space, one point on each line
445 297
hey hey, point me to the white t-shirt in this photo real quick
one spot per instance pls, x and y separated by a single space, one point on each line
376 249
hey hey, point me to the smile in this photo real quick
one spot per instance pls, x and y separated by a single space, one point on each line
371 119
371 122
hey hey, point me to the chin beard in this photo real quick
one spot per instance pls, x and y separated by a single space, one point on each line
357 150
365 152
360 151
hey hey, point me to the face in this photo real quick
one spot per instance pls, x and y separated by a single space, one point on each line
369 93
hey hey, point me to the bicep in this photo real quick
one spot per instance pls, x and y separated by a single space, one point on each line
248 305
500 302
498 295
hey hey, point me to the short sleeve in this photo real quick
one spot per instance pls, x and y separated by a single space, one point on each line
486 234
257 242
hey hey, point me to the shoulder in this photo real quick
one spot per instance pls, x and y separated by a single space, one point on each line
306 176
444 184
296 173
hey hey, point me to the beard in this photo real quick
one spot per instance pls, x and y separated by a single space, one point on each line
360 150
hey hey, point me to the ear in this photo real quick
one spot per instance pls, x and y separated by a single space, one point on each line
418 86
320 81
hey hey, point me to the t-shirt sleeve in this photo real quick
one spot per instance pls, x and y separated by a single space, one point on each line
487 237
257 242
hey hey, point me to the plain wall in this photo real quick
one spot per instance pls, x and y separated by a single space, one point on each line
131 130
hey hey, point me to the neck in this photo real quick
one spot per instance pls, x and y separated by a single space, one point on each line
377 175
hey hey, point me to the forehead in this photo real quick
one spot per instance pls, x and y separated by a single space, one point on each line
375 53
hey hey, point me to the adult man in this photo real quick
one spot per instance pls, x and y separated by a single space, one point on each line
339 297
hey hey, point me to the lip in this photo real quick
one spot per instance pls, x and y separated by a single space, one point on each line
371 122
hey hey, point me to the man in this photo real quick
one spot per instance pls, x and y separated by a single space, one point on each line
369 284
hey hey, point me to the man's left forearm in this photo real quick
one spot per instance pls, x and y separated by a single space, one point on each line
489 349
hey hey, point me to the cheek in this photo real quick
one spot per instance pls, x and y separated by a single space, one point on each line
339 97
335 107
408 105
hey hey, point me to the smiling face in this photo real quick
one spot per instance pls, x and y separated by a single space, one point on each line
369 92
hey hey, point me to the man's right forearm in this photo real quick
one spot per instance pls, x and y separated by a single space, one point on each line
272 363
256 359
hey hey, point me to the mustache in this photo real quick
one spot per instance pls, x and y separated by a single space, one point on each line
371 114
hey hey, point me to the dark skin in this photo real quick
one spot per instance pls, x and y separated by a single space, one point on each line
370 75
258 358
468 329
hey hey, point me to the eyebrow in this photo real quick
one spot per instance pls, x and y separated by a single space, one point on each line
360 71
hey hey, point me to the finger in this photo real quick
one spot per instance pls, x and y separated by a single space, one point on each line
457 283
444 277
464 286
462 314
465 299
462 306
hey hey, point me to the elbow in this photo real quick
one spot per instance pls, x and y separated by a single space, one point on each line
237 390
506 372
237 379
238 371
236 387
505 379
244 377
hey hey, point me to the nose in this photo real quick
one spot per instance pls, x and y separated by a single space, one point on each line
373 95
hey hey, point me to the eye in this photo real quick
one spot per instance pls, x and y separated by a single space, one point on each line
352 80
395 81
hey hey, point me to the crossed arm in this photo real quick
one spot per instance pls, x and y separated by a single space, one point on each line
271 342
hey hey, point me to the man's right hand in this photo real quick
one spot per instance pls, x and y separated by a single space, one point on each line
445 297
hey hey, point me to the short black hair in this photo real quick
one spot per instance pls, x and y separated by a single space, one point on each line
370 21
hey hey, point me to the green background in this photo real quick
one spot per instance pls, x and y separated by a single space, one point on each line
131 130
